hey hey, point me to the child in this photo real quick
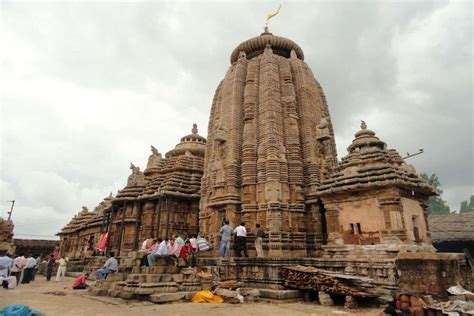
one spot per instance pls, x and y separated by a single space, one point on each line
80 282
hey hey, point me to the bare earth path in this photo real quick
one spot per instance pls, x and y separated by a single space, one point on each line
79 303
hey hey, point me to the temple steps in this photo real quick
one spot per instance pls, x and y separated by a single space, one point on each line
161 283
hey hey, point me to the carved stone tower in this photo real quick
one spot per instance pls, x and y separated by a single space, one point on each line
270 143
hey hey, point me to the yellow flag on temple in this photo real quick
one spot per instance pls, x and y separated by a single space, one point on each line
271 15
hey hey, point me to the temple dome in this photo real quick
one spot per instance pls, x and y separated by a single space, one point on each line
194 136
370 165
192 143
365 138
256 46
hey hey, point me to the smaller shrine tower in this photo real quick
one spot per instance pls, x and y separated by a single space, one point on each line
374 196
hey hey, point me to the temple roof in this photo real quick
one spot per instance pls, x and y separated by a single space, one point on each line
79 221
194 136
256 45
369 165
135 184
84 218
179 173
452 227
192 143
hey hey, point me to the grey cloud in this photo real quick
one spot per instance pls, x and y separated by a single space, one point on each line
89 86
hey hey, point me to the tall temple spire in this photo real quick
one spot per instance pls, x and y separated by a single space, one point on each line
266 154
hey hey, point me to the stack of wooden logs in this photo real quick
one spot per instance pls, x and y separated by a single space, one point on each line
309 278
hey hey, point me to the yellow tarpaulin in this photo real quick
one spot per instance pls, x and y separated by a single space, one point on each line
206 297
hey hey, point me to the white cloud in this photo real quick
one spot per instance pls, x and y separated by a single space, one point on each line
87 87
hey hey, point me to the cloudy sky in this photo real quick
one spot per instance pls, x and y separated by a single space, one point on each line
87 87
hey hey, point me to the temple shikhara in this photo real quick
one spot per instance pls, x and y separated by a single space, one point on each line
270 159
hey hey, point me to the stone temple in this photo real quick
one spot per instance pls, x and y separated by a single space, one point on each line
270 159
270 144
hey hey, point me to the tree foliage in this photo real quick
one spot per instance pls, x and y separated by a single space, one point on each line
436 205
467 206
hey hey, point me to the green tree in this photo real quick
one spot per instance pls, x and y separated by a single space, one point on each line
467 206
436 205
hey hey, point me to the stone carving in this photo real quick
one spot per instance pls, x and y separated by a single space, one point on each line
154 158
220 134
322 130
137 177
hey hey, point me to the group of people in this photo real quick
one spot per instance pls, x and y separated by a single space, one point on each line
172 249
22 269
240 242
18 269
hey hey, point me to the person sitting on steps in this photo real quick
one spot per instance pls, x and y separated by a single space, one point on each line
110 266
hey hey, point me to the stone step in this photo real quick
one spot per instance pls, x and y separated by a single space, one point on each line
73 274
280 295
155 278
190 286
171 297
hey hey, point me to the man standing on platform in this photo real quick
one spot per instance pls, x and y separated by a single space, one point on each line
226 236
259 241
241 240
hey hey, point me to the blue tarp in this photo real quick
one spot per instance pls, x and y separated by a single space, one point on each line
19 310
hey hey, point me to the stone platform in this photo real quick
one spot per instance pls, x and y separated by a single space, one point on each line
382 266
161 283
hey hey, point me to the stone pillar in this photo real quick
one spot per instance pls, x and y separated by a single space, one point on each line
333 226
138 218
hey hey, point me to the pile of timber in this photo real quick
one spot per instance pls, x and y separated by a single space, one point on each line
310 278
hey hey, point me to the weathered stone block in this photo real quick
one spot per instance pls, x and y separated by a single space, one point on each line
280 294
226 293
178 278
114 277
167 297
144 291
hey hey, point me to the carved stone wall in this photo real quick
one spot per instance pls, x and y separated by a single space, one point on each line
270 143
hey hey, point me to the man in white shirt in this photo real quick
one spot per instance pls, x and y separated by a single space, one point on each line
17 268
240 240
161 252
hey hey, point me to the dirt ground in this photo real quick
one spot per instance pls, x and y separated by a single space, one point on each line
80 303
